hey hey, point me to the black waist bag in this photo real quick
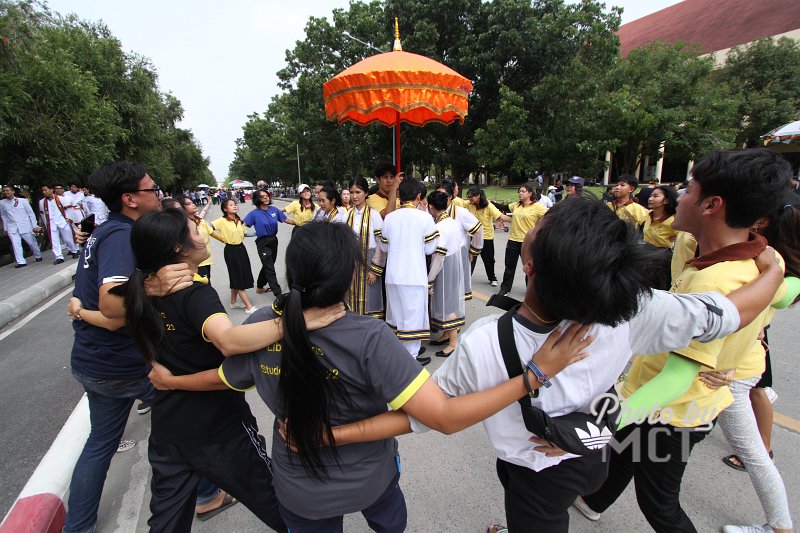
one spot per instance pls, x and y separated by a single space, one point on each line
577 433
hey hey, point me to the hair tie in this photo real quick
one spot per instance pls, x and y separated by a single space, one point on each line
787 206
297 288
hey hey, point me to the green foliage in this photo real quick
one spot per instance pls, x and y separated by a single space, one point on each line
766 77
71 100
664 93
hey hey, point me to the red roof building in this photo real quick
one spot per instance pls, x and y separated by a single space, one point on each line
715 25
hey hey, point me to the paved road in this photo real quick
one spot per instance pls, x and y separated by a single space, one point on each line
449 482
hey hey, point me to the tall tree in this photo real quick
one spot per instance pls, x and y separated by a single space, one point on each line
766 77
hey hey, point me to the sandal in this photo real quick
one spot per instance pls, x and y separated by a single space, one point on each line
227 501
734 462
497 528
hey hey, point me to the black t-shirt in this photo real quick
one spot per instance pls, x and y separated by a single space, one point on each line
187 417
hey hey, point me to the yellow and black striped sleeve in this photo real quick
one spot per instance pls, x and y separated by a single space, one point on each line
433 235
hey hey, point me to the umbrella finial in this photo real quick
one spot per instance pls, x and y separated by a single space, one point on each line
397 46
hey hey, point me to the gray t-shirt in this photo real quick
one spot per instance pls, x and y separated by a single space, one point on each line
366 357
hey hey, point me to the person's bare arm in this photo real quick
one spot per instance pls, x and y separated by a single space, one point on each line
110 305
76 311
431 406
169 279
232 340
163 379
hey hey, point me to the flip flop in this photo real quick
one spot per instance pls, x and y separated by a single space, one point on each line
734 462
497 528
227 501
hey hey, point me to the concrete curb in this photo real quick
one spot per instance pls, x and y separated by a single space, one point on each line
40 507
14 307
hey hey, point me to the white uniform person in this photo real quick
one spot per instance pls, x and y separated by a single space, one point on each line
58 227
93 205
408 235
71 203
19 223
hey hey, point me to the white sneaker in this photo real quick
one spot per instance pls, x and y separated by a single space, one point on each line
251 310
494 283
747 529
125 445
585 510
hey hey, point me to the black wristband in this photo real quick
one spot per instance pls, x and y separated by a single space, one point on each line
532 393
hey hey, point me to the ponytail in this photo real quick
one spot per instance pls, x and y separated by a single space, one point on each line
320 261
148 329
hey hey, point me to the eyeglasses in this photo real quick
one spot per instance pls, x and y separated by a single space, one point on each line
155 189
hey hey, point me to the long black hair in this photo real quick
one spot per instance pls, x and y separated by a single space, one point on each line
475 190
783 234
320 260
158 239
360 183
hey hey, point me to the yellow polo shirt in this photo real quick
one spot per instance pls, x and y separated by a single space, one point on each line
230 232
379 203
661 233
683 250
631 212
461 202
524 218
485 216
700 404
300 215
205 230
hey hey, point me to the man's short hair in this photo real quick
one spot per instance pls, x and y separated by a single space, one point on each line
438 200
630 179
326 183
446 186
110 182
752 182
589 265
383 168
409 189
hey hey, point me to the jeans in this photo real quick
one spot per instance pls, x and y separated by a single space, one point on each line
110 403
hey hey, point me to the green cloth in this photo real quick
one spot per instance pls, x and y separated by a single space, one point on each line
670 384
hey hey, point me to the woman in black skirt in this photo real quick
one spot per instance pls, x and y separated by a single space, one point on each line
230 229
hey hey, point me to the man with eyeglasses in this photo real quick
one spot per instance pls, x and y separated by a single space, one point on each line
105 360
57 223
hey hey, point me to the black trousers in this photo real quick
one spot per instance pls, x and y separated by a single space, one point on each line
487 254
239 466
513 249
268 252
655 458
539 501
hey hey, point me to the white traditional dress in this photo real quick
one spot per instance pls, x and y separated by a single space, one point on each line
447 273
472 239
408 235
363 298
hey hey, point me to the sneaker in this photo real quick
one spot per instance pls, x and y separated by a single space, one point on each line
585 510
125 445
494 283
747 529
251 310
143 408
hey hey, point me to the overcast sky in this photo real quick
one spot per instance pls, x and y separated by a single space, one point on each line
220 59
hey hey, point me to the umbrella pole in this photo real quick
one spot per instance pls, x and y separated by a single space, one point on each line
397 143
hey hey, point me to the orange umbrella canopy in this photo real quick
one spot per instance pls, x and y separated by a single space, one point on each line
397 87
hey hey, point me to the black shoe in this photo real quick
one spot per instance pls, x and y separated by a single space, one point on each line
58 261
502 293
20 265
421 351
423 360
442 353
38 259
76 255
440 342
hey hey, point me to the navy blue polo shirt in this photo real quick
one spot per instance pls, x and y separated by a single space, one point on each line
107 257
265 220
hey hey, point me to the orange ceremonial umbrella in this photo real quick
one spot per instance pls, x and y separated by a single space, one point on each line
396 87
